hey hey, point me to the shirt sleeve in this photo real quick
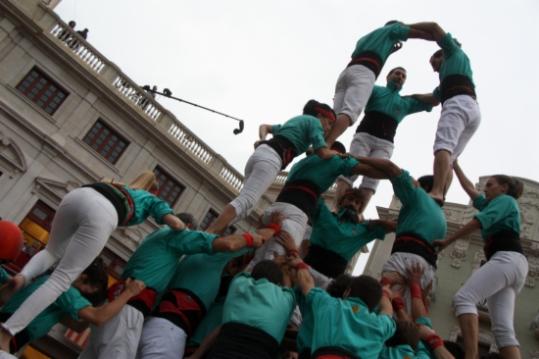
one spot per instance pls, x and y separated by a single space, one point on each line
158 209
192 242
426 321
347 166
480 202
422 352
374 232
387 326
399 32
71 302
316 134
449 45
403 187
494 212
275 129
413 105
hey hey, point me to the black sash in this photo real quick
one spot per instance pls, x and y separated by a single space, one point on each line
302 194
412 243
117 198
332 352
285 149
325 261
454 85
379 125
182 308
240 341
370 60
506 240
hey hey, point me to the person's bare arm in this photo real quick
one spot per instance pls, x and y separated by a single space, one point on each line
389 226
104 313
206 344
340 125
173 222
419 34
385 302
415 272
365 169
235 242
468 228
263 131
388 168
465 183
427 98
434 31
304 279
325 153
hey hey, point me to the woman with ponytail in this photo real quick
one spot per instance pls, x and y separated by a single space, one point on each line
81 227
502 277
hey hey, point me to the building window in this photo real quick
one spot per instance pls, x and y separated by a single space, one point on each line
107 142
42 90
210 217
169 189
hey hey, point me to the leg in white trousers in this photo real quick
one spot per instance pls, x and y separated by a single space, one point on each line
161 339
81 227
499 281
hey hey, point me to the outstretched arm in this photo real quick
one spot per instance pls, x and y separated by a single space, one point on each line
388 168
325 153
263 131
434 31
235 242
174 222
466 184
427 98
389 226
468 228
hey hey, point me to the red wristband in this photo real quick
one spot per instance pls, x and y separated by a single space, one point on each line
415 291
301 265
275 226
249 240
434 341
397 303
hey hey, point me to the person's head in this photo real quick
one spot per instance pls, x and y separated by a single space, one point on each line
93 282
436 60
503 184
426 182
339 285
323 112
406 333
391 22
268 269
351 199
146 181
11 240
339 147
397 76
72 24
455 349
367 289
188 219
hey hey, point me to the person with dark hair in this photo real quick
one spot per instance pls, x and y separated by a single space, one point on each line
155 262
502 277
255 315
336 237
298 199
82 300
346 327
460 116
356 81
189 220
421 221
375 134
289 140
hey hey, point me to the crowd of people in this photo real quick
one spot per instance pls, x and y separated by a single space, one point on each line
283 291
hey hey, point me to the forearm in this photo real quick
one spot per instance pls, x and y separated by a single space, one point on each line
382 165
418 307
231 243
206 344
305 281
385 305
101 315
431 28
365 169
468 228
465 182
173 222
263 131
427 98
338 129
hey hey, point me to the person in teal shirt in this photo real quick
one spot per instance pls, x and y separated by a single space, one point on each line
270 157
356 81
502 277
460 116
190 294
347 326
336 237
375 134
81 301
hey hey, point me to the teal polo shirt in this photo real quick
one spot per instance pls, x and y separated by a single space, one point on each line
305 332
387 100
419 214
156 259
381 40
146 205
259 304
201 274
303 131
348 324
320 172
456 62
68 303
397 352
342 237
498 214
4 276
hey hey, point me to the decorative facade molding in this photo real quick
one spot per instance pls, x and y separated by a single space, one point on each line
12 154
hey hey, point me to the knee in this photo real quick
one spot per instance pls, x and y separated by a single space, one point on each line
60 281
464 303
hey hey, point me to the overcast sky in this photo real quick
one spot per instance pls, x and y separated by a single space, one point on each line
262 60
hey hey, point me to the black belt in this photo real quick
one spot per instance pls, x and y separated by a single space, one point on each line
379 125
369 59
505 240
284 148
182 308
116 197
325 261
302 194
412 243
454 85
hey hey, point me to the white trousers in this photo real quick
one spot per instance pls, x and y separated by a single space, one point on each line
260 172
367 145
459 120
294 223
81 227
498 281
352 91
118 338
161 339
